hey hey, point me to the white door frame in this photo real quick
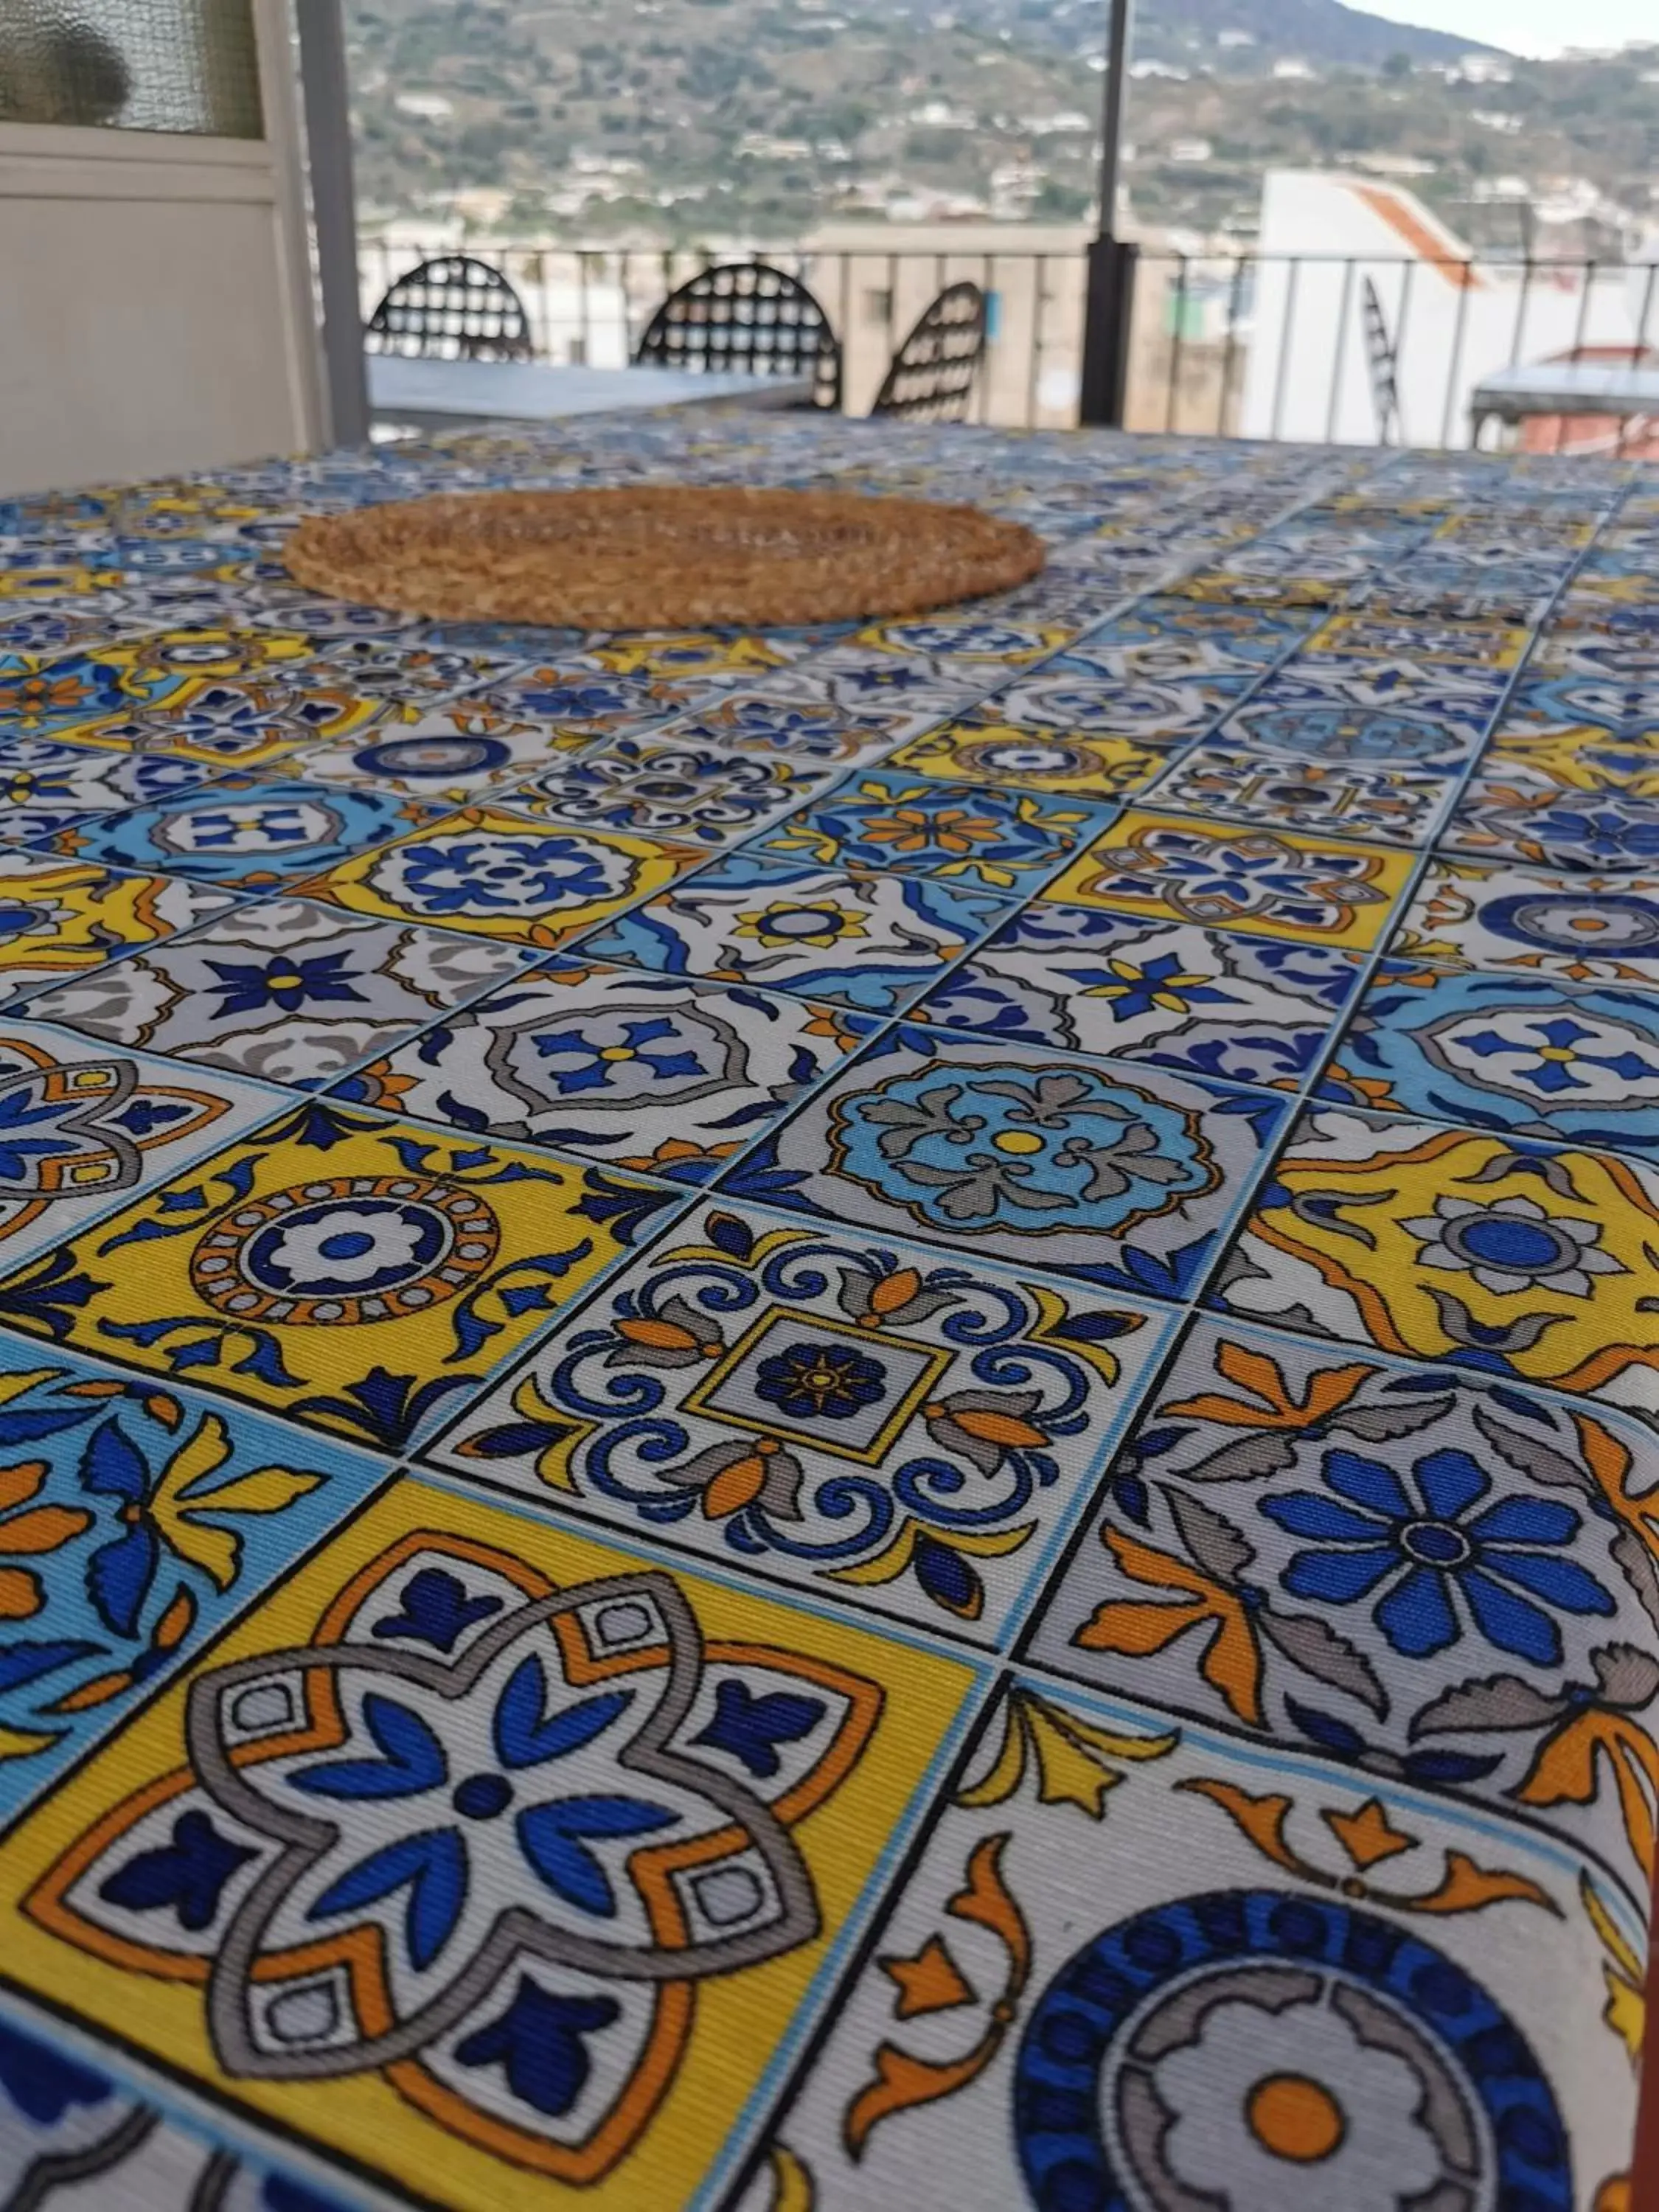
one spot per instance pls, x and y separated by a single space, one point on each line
45 168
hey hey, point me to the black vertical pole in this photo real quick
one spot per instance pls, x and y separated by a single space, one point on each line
1109 299
333 214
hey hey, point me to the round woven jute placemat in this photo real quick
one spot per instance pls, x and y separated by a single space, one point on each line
662 557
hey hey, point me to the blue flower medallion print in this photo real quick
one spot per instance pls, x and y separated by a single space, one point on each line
478 873
483 1792
1018 1146
820 1382
346 1249
1432 1561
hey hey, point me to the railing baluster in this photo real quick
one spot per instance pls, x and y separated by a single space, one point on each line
1407 278
605 281
1230 350
1587 270
845 323
1286 324
982 381
892 312
1034 372
1647 308
1520 311
1340 351
1455 361
1172 378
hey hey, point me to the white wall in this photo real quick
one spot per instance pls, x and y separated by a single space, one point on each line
155 302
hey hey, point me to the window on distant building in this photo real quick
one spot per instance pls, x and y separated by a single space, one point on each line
993 316
877 305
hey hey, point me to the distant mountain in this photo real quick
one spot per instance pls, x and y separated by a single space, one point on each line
1316 31
691 120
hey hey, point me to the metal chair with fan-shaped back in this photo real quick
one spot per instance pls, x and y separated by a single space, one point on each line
932 375
746 317
453 308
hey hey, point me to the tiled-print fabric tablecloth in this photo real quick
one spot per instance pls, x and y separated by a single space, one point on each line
838 1419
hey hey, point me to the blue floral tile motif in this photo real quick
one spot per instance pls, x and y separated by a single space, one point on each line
1203 1001
869 1421
1621 702
1585 928
65 2124
245 833
1120 1174
285 990
1149 712
82 1128
1524 1054
804 725
1412 1543
45 787
1609 659
1418 639
1427 1585
1394 805
951 639
1516 591
1166 640
1370 711
443 754
134 1520
1510 810
432 671
998 840
668 787
57 626
652 1073
577 693
856 939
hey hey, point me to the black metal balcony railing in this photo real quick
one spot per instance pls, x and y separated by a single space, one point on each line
1351 349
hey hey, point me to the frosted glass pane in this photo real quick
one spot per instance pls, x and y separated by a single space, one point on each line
132 64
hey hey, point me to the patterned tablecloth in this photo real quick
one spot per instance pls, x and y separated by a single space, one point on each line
843 1418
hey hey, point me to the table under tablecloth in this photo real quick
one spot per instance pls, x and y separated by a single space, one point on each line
847 1417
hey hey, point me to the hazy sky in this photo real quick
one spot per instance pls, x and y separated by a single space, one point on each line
1530 27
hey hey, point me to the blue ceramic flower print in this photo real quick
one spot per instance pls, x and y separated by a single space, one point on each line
1585 928
1210 1001
1523 1054
856 939
808 1381
574 697
1119 1172
666 788
247 833
867 1418
134 1520
1001 840
553 1825
440 879
45 788
1515 812
1429 1560
1010 1149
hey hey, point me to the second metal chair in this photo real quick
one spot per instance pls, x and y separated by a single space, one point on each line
748 317
932 375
